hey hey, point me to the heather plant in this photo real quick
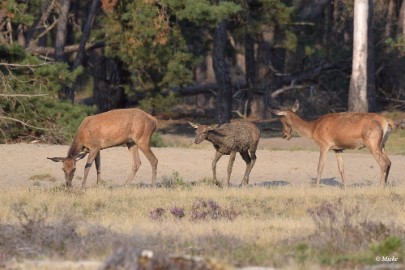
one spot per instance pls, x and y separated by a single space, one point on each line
177 212
211 210
342 228
157 214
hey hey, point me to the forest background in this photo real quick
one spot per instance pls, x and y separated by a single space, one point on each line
61 60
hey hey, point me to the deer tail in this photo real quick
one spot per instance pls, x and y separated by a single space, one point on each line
391 123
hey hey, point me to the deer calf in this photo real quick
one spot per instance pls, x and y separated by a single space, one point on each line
341 131
228 139
132 127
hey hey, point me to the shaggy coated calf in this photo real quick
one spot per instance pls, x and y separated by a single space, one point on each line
228 139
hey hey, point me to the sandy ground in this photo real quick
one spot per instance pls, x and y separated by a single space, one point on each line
27 165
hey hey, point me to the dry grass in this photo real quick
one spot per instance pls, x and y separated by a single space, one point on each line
281 226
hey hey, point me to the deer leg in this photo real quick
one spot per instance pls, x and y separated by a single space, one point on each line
321 163
145 148
230 165
373 143
385 165
340 166
133 149
92 155
386 168
248 160
218 155
98 163
253 157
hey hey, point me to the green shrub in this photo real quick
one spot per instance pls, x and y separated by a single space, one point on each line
157 140
388 247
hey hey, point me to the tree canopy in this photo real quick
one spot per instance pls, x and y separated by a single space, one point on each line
154 53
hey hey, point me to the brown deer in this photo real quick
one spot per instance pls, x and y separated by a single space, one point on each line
132 127
228 139
341 131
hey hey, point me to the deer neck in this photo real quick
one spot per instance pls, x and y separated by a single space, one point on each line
213 138
74 149
304 128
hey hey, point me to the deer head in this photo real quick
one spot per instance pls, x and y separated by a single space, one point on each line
69 166
201 131
286 120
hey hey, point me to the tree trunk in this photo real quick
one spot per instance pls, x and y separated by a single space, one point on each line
224 95
401 21
39 23
269 61
107 91
263 64
61 32
250 67
371 91
391 18
358 83
69 91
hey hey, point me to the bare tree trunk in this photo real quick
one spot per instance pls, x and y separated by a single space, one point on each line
390 19
221 69
358 83
401 21
61 32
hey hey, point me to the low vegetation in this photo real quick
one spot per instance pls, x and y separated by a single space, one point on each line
283 227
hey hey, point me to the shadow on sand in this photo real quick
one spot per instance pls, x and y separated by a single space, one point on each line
276 183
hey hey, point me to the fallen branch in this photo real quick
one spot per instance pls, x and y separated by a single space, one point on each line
21 122
22 65
23 95
68 49
210 88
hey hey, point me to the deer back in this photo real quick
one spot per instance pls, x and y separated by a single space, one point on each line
114 128
347 130
234 137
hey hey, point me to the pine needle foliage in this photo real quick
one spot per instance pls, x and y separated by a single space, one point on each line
29 105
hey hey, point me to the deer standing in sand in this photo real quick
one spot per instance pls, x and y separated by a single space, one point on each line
132 127
228 139
341 131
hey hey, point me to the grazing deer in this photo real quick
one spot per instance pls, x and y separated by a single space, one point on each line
341 131
132 127
228 139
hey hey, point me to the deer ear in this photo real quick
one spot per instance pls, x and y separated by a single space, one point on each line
277 112
211 127
194 125
295 106
80 156
56 159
